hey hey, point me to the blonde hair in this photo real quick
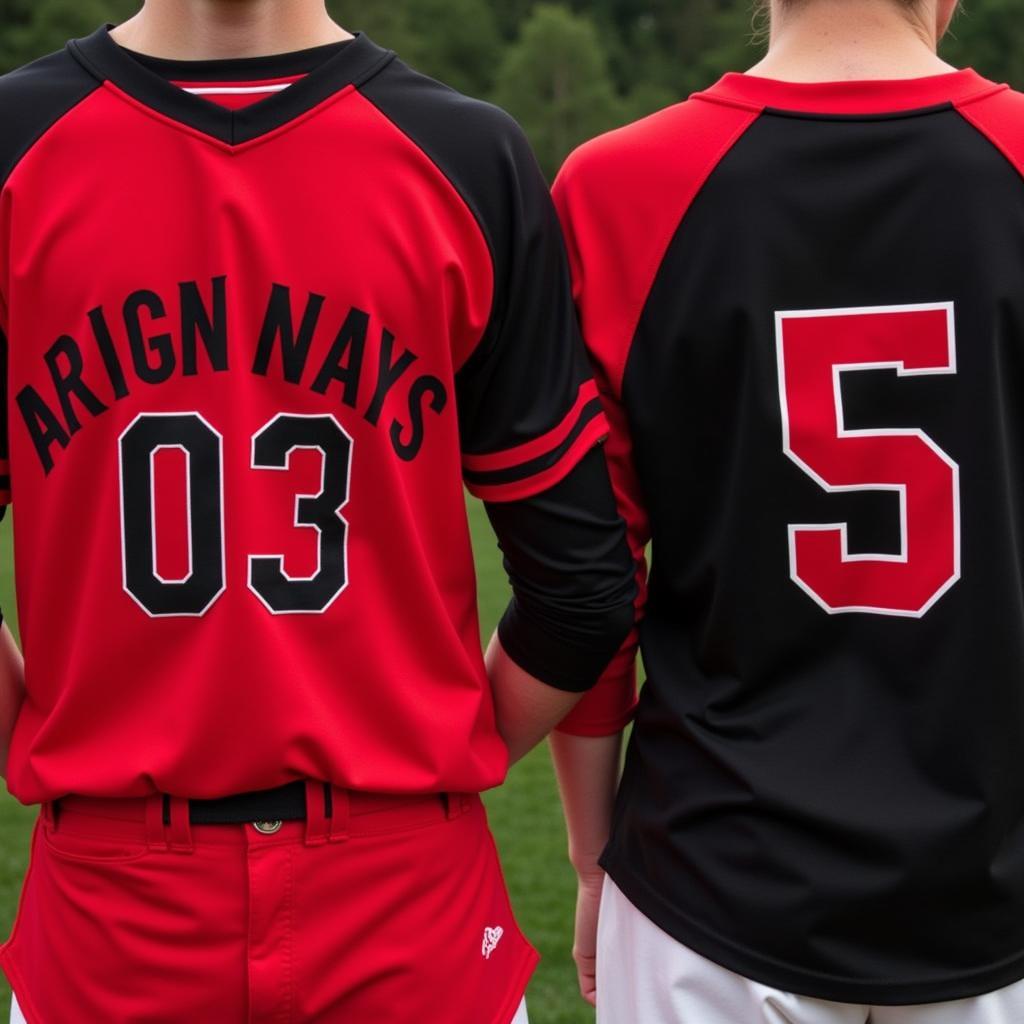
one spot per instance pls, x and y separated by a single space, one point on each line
762 8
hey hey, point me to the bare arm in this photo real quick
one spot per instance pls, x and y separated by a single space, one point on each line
588 774
12 691
527 709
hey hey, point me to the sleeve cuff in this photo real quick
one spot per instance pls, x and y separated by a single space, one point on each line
610 706
550 659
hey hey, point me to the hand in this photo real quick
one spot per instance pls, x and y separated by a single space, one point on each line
584 952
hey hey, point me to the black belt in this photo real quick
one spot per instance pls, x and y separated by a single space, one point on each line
285 803
272 806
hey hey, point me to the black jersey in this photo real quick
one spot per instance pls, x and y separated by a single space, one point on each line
806 308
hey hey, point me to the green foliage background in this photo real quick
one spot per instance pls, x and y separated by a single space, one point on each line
567 71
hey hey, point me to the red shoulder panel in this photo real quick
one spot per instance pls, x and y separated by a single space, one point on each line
621 198
999 117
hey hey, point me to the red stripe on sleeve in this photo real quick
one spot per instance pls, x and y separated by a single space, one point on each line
533 449
595 431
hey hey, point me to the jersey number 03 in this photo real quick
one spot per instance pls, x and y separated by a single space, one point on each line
196 591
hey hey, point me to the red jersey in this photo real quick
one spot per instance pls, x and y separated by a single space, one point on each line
253 351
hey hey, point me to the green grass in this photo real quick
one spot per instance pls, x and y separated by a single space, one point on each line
524 815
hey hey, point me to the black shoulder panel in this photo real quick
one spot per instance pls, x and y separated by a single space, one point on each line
33 98
530 348
477 146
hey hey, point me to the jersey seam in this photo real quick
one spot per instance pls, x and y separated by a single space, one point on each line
992 138
979 95
30 147
734 101
728 101
661 251
79 54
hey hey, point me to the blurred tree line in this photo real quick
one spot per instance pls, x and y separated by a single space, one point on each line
567 70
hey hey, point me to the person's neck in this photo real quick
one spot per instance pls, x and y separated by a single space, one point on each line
828 41
217 29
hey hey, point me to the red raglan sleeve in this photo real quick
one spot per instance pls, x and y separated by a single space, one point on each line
621 198
608 707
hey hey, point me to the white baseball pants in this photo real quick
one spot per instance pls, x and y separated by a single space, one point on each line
17 1018
645 975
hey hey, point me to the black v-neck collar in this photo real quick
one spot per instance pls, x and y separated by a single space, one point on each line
352 63
239 69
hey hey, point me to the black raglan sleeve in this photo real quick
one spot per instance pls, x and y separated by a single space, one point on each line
572 577
32 99
528 406
530 418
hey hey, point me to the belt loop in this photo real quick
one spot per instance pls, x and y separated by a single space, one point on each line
316 814
179 831
337 827
455 804
156 837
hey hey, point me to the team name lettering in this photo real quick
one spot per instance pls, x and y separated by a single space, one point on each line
152 340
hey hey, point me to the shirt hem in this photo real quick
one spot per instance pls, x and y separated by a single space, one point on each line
799 981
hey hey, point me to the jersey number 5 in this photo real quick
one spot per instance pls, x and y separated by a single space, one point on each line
815 348
196 591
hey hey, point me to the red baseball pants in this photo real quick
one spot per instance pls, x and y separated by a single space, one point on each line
390 911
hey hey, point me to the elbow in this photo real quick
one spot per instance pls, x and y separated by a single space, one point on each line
566 645
618 624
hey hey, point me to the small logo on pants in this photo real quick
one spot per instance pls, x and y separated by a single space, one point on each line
492 936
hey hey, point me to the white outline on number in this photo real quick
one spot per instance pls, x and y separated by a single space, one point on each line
120 481
901 489
298 497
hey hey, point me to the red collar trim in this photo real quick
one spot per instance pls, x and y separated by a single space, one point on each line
876 96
